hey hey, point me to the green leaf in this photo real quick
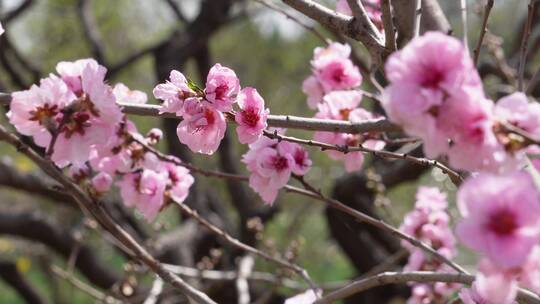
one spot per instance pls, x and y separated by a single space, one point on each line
192 85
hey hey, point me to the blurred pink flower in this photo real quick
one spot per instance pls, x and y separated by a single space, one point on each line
312 88
501 217
336 73
518 111
494 285
71 72
124 95
102 182
179 181
145 191
424 75
332 70
343 105
251 118
530 271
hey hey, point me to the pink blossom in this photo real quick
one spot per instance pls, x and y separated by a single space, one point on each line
335 49
222 86
269 170
516 110
124 95
336 73
251 118
501 217
270 165
301 162
466 118
102 182
332 70
472 295
530 274
174 92
36 112
179 182
94 120
494 285
343 7
424 75
342 105
429 223
312 88
154 136
71 72
202 129
145 191
122 155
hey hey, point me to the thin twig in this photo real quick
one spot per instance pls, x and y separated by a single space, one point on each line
255 276
465 25
308 27
454 176
93 209
524 43
364 218
389 28
406 277
533 82
417 17
316 194
487 10
360 27
236 243
89 290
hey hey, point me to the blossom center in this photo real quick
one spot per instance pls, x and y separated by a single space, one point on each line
502 222
209 116
432 78
280 163
221 91
78 122
338 75
44 113
250 117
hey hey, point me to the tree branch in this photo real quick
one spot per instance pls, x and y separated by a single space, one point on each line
359 27
406 277
93 209
277 121
487 10
91 30
36 228
176 10
11 15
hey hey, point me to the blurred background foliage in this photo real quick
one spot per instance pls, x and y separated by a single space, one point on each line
268 52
